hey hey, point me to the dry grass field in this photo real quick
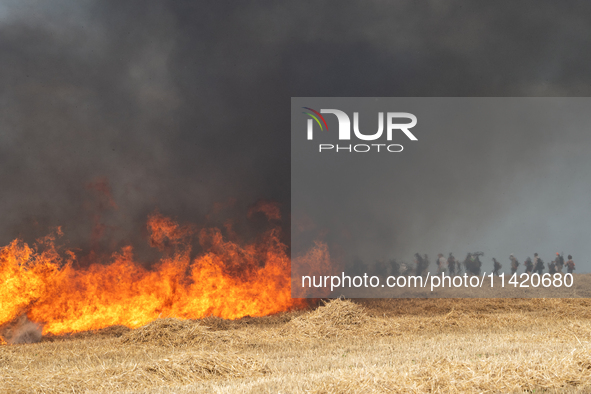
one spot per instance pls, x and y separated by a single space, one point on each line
359 346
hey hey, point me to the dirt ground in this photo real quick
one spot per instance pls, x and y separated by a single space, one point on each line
345 346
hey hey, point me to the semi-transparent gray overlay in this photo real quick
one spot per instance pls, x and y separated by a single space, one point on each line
486 178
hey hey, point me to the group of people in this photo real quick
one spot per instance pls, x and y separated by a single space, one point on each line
537 264
472 264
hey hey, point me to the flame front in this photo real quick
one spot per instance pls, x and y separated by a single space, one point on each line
227 280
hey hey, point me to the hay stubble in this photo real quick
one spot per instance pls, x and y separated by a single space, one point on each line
412 346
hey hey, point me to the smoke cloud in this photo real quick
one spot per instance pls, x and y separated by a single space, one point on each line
21 330
179 105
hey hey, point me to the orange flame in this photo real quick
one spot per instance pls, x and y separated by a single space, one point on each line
227 280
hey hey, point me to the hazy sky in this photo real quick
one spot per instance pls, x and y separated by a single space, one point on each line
496 175
182 104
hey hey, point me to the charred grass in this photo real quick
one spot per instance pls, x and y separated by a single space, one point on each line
342 346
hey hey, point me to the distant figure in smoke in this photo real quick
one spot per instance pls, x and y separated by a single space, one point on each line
570 264
395 269
473 263
418 265
552 267
422 264
477 262
497 267
451 265
559 262
441 262
514 264
538 265
468 263
529 266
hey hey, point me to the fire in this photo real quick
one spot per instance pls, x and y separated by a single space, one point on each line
226 279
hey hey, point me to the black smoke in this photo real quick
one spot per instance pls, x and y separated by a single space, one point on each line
178 105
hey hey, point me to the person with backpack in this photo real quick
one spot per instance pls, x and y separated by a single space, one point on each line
559 262
529 265
496 267
451 264
514 264
552 268
570 264
538 264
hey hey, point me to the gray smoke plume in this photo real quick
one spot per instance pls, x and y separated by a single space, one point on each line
177 105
